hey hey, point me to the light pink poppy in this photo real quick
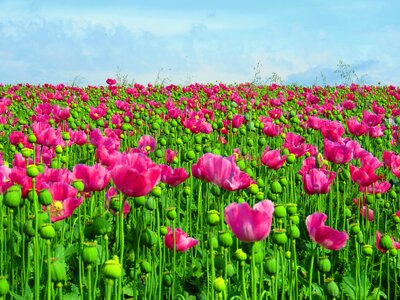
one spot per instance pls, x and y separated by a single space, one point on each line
147 144
250 224
94 178
326 236
182 241
221 171
272 159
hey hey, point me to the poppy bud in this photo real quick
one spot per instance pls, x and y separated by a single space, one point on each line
28 228
393 252
145 267
149 238
291 158
59 149
167 279
32 138
26 152
66 137
101 226
156 191
219 262
294 232
171 213
151 203
253 189
78 185
139 201
354 228
291 209
294 219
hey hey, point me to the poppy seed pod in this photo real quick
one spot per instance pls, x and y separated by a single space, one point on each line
112 268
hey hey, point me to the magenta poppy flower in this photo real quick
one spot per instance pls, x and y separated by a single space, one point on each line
182 241
318 181
94 178
46 135
396 245
78 137
332 130
326 236
380 187
356 128
272 159
371 119
250 224
147 144
64 201
5 181
111 81
367 213
173 177
96 113
338 152
221 171
169 155
395 165
135 174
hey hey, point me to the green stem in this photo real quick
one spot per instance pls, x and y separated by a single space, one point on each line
48 244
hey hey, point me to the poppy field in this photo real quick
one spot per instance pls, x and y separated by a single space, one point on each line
199 192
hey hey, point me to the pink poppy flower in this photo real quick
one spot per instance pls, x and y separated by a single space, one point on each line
135 174
250 224
272 159
169 155
147 144
181 242
221 171
5 181
363 211
371 119
111 81
380 187
318 181
326 236
395 165
94 178
64 201
338 152
46 135
332 130
78 137
173 177
396 245
356 128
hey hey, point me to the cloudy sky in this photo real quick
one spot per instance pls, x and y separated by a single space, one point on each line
206 41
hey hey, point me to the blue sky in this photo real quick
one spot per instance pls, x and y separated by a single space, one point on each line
198 41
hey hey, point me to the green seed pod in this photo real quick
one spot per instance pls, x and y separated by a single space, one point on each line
324 264
294 232
58 270
101 226
332 288
295 219
45 197
219 285
230 270
240 255
151 203
393 252
386 242
219 262
213 217
347 212
32 138
216 190
276 187
171 213
4 286
271 266
112 268
225 239
139 201
58 149
26 152
213 242
190 155
28 228
354 228
13 196
78 185
32 171
367 250
260 196
291 158
145 267
291 208
167 279
280 211
47 231
253 189
90 253
42 218
149 238
279 236
360 237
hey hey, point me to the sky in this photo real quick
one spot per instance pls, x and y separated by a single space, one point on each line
209 41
